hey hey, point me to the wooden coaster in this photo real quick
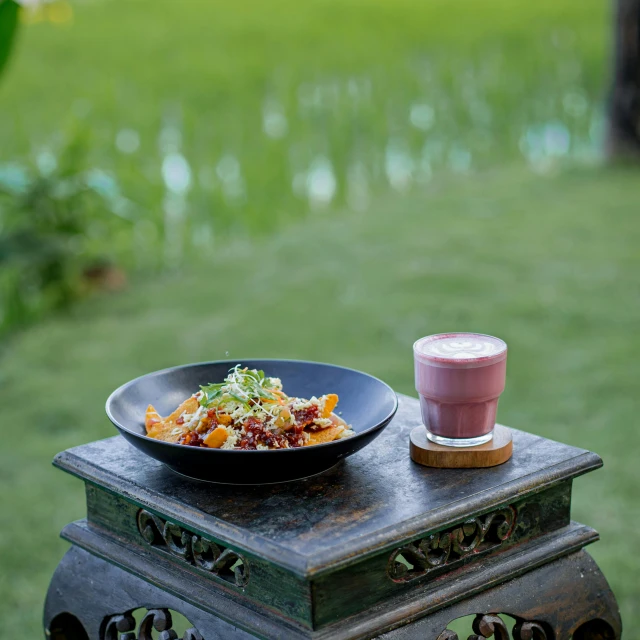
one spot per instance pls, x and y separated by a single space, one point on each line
490 454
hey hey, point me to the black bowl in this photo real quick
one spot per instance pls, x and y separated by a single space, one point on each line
366 403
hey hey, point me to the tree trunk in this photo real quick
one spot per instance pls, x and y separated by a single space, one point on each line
624 101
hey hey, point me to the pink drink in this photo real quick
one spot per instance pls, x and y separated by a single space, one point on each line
460 377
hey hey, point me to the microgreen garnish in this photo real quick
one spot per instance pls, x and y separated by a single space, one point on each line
242 385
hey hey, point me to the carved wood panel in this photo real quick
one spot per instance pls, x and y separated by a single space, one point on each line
193 548
447 547
124 627
492 626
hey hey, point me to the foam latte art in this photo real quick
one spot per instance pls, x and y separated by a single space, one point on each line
462 347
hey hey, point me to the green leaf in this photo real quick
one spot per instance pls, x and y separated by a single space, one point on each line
8 28
237 398
210 393
250 383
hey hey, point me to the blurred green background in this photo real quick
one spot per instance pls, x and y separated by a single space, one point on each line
184 181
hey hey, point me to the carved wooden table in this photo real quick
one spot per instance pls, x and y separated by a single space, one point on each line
377 547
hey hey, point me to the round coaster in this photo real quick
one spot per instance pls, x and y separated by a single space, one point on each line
490 454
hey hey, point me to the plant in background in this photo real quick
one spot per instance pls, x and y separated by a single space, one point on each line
8 27
63 225
63 228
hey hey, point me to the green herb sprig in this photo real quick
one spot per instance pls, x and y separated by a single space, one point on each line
250 382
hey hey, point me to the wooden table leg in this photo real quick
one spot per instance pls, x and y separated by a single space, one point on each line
568 598
91 599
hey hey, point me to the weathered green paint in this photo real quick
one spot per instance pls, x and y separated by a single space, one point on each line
269 585
351 588
366 583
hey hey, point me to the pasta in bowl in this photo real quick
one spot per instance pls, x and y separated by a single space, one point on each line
249 411
197 428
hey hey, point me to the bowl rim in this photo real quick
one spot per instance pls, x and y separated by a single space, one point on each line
315 447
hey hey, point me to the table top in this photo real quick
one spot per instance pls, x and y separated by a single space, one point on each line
373 500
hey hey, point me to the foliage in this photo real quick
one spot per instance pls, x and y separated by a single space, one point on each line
9 10
57 221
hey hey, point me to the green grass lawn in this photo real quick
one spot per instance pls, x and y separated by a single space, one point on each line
359 176
550 264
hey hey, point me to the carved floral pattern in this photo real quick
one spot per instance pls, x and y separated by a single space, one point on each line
123 627
492 626
447 547
193 549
